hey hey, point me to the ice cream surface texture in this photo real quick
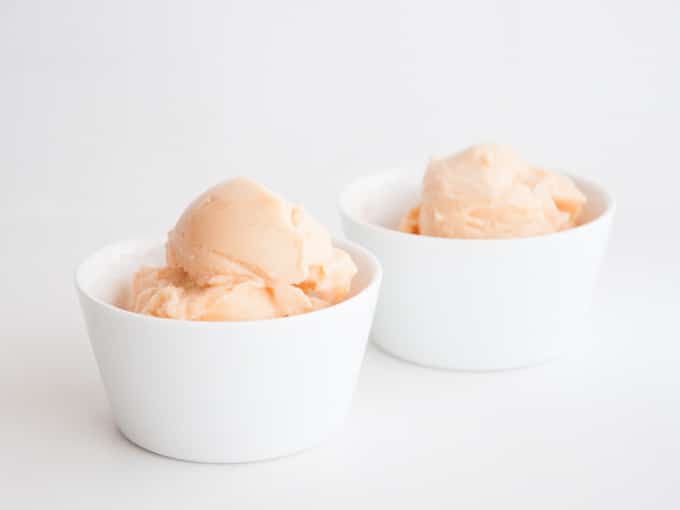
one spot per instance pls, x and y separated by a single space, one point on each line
489 192
240 252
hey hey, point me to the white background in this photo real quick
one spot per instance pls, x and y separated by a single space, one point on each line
113 115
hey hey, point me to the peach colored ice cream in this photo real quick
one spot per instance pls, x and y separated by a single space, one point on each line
240 252
489 192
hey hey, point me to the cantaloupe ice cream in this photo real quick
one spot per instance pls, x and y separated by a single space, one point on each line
489 192
240 252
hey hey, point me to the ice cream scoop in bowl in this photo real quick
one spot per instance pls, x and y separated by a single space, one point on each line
189 379
477 303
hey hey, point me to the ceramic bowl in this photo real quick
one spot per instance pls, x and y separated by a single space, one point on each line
224 391
475 304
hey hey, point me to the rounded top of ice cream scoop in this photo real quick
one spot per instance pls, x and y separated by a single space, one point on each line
485 170
487 192
241 230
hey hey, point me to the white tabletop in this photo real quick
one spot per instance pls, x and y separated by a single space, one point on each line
114 119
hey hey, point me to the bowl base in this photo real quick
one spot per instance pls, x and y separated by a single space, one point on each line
453 367
224 460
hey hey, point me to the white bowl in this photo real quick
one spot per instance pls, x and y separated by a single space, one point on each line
475 304
224 391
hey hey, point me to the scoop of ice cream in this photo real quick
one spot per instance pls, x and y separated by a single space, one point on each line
240 227
489 192
170 292
240 252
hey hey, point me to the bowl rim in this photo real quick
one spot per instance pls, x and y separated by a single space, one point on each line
350 189
375 279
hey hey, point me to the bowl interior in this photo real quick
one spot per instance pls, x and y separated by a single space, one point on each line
383 199
106 275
